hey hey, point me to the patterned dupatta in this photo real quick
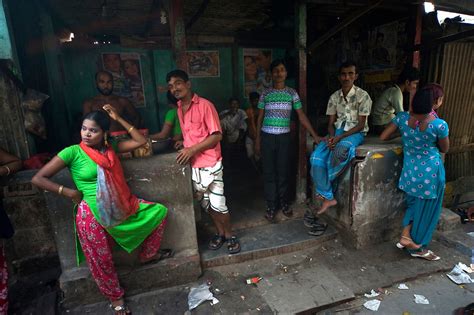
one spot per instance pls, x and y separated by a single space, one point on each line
115 203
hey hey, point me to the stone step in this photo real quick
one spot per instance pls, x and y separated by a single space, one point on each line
264 241
248 217
304 292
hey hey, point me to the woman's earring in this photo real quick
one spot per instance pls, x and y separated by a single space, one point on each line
105 139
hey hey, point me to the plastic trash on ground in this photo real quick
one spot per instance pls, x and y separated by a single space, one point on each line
200 294
421 299
402 286
459 276
372 305
372 294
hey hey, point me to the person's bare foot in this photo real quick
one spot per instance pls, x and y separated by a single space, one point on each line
326 204
408 243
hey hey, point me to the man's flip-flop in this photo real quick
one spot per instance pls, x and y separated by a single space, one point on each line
318 229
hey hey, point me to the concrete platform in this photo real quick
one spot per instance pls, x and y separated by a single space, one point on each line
263 241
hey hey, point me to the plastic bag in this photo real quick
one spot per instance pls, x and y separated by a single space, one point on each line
32 103
198 295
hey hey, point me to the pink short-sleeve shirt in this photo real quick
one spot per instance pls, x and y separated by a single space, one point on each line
199 122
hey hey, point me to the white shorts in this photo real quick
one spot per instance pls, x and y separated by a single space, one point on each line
208 185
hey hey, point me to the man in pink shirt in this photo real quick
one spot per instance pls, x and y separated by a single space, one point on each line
202 134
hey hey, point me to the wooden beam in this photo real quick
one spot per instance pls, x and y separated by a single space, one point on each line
178 36
445 39
417 40
346 22
300 40
198 14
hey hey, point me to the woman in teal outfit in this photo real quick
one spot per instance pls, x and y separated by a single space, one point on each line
424 136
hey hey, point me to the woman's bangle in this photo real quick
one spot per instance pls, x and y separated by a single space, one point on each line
8 169
60 189
130 129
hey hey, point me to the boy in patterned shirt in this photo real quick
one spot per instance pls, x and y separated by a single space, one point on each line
273 138
348 109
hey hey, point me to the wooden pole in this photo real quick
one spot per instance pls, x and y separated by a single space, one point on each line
300 39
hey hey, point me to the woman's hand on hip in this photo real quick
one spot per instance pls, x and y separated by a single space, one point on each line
75 195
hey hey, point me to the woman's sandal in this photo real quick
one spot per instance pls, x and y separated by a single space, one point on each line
120 309
164 254
425 254
216 242
233 245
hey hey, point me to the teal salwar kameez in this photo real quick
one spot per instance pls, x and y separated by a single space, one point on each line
423 176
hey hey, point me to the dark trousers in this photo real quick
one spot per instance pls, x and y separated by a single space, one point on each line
275 151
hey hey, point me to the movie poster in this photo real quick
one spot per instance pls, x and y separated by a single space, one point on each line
126 71
257 75
202 63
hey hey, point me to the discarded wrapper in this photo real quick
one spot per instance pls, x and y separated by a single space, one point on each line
371 294
459 276
421 299
253 280
402 286
372 305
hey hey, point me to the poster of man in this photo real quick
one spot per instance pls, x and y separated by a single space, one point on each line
257 76
126 71
203 63
384 45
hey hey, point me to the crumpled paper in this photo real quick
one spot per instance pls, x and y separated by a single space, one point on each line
372 294
372 305
402 286
421 299
200 294
458 275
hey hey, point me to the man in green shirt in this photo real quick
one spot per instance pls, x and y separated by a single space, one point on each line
171 127
390 103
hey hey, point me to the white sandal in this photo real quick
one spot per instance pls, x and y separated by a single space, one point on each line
428 255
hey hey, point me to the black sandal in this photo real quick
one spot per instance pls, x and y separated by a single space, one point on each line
318 229
286 210
233 245
216 242
270 215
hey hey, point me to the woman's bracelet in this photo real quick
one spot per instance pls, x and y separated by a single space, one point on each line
60 189
8 169
130 129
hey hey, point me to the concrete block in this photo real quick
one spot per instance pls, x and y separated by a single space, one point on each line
448 220
27 212
370 205
33 242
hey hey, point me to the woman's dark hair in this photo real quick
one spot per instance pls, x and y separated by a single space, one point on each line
422 102
100 118
436 89
276 63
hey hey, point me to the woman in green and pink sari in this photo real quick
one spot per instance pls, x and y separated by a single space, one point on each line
106 208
